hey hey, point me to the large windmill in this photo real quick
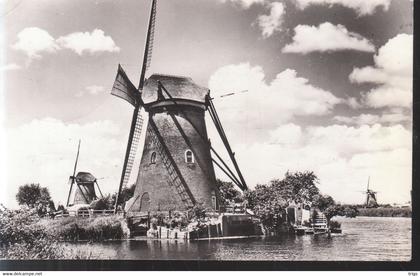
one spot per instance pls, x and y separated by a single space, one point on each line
82 186
176 169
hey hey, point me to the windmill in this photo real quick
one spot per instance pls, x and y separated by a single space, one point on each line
176 168
82 186
371 201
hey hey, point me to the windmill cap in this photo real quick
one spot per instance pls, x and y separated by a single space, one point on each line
85 177
179 87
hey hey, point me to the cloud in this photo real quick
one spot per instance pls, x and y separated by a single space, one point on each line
261 127
94 42
326 38
95 89
362 7
273 21
392 73
343 157
266 105
33 41
91 90
245 4
10 67
353 102
370 119
43 151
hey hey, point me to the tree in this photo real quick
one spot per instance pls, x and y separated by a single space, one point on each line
329 208
35 196
351 211
322 202
228 193
332 211
126 194
29 195
268 204
104 203
298 187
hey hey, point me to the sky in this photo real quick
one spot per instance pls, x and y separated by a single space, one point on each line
328 88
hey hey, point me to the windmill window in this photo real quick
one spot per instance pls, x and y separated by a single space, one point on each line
189 156
153 158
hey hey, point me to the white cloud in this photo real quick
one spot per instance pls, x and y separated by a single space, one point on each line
244 3
341 156
91 90
95 89
266 105
370 119
33 41
326 38
43 151
362 7
273 21
392 72
10 67
353 102
93 42
267 144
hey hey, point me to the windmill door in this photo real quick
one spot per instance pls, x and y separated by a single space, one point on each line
145 202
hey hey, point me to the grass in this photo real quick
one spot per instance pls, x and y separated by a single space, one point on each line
26 236
87 229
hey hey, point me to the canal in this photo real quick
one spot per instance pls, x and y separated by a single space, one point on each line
363 239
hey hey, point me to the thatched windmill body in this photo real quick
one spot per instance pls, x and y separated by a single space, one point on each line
176 169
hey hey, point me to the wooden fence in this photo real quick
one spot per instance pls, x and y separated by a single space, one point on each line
86 213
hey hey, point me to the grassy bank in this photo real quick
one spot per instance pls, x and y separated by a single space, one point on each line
385 212
90 229
24 235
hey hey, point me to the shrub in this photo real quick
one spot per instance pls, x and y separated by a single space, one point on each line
197 212
92 229
104 203
21 237
335 224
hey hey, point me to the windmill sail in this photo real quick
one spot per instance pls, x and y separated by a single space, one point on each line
148 49
151 34
72 178
123 88
138 125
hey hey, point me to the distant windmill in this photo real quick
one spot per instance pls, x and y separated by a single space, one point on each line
176 170
371 201
82 186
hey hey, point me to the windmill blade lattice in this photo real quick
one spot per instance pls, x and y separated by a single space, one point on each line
133 149
151 37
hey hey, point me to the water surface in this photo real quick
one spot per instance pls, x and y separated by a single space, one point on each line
363 239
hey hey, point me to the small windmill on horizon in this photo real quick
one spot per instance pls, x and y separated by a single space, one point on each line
371 200
176 169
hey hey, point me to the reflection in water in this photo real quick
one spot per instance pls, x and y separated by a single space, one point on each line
363 239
